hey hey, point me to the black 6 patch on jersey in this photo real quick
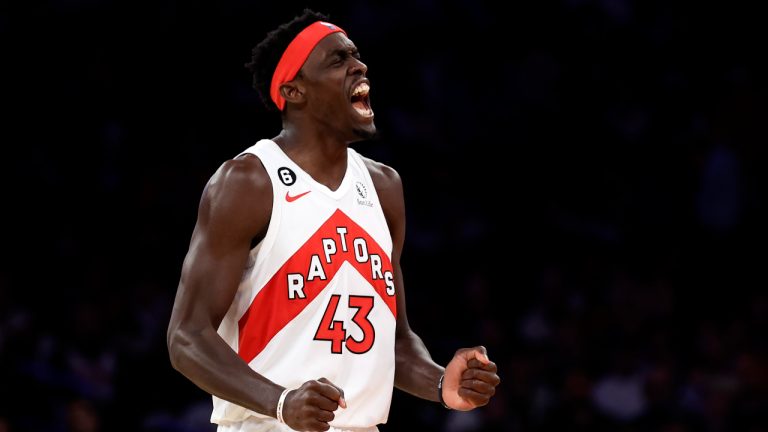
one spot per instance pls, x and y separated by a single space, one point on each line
286 175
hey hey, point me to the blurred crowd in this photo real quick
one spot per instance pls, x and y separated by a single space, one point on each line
585 186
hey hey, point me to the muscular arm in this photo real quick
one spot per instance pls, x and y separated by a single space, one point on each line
234 209
415 371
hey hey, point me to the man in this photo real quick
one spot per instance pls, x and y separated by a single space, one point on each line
291 302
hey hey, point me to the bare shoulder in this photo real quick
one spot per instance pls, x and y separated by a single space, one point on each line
389 187
385 178
245 174
238 192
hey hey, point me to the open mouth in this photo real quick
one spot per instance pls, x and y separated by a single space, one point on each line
360 100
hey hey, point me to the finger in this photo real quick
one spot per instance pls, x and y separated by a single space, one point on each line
477 399
487 376
483 357
317 425
479 386
332 392
478 352
322 402
475 363
324 416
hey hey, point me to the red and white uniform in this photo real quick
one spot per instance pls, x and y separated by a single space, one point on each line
317 296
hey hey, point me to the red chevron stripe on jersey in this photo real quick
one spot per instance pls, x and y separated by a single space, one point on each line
338 240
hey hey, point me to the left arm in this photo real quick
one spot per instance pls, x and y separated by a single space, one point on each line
470 378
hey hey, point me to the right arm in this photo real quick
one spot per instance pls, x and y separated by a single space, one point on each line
235 209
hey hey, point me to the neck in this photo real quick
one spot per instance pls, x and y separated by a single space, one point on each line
321 155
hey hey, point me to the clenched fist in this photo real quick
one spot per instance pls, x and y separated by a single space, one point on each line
470 379
311 406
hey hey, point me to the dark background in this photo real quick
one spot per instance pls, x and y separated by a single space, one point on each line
585 185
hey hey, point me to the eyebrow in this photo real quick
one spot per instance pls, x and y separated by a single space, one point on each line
343 52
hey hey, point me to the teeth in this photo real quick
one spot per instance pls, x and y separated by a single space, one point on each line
361 90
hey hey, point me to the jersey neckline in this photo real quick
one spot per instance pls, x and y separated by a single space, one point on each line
335 194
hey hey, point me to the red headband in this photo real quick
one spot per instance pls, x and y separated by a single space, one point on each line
296 54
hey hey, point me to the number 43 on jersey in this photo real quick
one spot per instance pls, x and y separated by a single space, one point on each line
333 330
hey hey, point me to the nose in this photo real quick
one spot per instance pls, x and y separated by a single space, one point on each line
358 67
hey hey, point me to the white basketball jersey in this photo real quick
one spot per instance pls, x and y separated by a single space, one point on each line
317 297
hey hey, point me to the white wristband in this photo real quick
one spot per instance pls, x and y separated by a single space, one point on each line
280 403
440 392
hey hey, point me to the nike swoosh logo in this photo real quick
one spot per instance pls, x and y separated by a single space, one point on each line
290 198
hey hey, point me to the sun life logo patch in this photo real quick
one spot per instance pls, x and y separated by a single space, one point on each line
361 190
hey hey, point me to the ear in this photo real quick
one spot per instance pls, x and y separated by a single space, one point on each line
292 92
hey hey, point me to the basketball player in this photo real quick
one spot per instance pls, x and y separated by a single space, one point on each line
291 308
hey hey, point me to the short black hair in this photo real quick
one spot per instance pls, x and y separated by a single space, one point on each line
267 53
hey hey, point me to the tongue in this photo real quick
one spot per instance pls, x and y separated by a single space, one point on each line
360 107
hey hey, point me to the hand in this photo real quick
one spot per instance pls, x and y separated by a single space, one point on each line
470 379
311 406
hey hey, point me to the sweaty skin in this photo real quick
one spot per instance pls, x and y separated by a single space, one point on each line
319 123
